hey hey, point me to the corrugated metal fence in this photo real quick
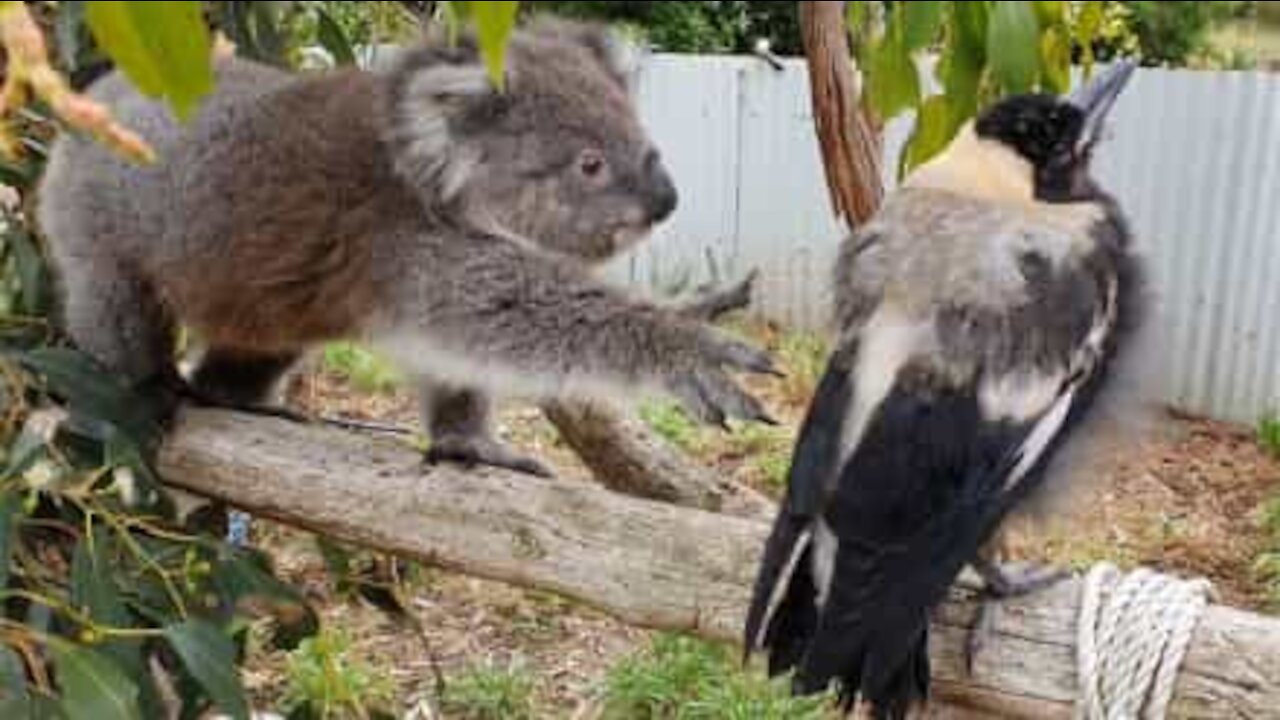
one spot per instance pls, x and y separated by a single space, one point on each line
1194 156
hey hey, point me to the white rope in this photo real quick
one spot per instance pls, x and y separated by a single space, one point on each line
1131 640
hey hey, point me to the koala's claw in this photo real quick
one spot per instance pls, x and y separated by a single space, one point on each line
472 450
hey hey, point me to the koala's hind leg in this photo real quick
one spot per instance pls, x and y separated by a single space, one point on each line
243 380
116 318
459 422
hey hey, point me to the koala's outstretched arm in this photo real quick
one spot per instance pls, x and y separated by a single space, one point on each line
493 312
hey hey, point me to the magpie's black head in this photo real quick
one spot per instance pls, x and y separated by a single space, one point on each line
1056 135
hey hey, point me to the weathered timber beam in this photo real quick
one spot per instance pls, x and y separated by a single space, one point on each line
653 564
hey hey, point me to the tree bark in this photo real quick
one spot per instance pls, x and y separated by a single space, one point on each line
624 455
653 564
848 136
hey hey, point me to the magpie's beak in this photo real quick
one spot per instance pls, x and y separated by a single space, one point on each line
1096 98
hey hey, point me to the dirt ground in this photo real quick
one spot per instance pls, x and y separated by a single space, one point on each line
1184 497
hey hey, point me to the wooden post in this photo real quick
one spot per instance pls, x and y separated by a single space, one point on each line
653 564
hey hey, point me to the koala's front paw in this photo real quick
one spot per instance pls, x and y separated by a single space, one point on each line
707 390
472 450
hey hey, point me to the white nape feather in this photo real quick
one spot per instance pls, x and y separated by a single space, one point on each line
977 167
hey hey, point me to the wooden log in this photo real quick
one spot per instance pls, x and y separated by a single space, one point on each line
652 564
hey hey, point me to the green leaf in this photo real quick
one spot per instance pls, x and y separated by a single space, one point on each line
33 273
1013 45
334 39
934 127
855 17
209 655
920 23
243 575
494 22
1055 58
91 390
163 47
10 510
1088 24
1051 12
93 591
32 707
893 82
13 674
964 57
92 686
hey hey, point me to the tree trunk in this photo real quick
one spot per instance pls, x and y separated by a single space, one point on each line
653 564
626 456
847 134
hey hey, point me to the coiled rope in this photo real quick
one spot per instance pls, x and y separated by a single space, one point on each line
1133 631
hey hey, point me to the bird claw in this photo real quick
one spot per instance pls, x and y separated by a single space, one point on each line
1003 583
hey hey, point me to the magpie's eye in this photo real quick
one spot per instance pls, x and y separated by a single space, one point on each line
591 163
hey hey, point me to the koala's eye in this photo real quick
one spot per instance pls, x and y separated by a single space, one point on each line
590 163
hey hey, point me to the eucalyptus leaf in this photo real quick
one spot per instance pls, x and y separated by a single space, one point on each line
91 685
935 125
964 57
13 674
1013 45
210 656
91 390
1087 27
163 47
1055 58
1051 12
333 39
494 22
10 512
921 20
893 82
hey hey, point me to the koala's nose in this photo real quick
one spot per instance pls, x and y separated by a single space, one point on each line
663 197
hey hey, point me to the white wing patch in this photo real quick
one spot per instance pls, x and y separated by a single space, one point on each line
782 583
885 344
1020 396
825 545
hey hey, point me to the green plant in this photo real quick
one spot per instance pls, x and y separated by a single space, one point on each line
767 449
985 50
1269 434
683 678
804 355
491 693
671 422
1267 564
326 681
365 370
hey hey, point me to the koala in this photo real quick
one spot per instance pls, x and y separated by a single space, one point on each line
452 224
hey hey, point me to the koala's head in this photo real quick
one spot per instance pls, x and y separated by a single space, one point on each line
557 156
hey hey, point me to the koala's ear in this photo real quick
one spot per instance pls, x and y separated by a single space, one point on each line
620 57
615 54
430 99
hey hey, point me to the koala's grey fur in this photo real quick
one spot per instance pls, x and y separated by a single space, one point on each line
421 210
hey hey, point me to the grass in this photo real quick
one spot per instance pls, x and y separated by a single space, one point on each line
484 692
766 451
804 356
670 421
682 678
362 368
325 681
1267 564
